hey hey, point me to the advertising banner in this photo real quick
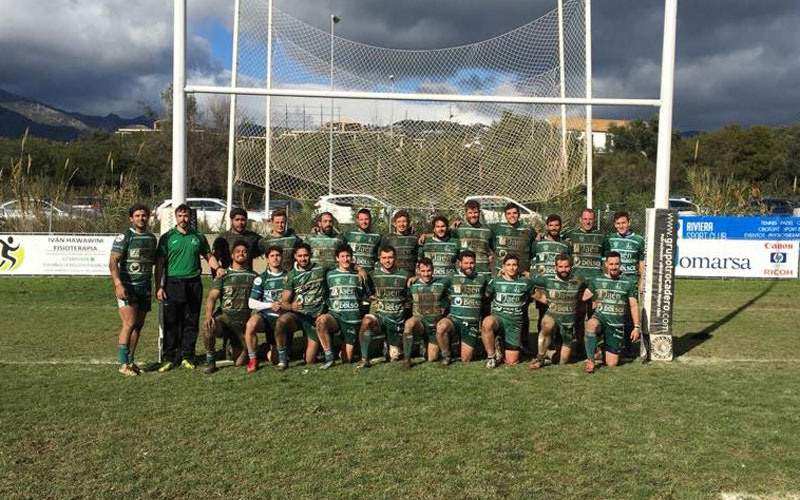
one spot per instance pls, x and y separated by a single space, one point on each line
659 294
737 258
713 227
55 254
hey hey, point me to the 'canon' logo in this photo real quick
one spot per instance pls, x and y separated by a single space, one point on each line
778 246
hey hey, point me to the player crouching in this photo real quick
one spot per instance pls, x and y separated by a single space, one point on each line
265 301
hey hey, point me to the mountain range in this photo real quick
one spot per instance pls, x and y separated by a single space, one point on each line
18 113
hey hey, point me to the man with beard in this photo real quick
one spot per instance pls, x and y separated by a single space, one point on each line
404 241
364 241
223 244
324 240
428 299
440 248
472 235
545 250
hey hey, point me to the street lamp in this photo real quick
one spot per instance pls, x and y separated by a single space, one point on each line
391 112
334 20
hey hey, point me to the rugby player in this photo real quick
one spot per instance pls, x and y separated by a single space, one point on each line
347 291
440 248
472 235
465 291
232 291
131 267
223 244
404 241
429 304
364 241
617 313
543 263
281 236
562 293
303 300
389 283
514 237
324 240
510 294
265 301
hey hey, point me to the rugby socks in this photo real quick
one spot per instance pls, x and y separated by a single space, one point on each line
328 355
130 357
408 346
282 354
210 358
446 355
590 344
251 354
122 353
366 339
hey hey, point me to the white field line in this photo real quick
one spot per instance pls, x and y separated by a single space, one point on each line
691 360
747 496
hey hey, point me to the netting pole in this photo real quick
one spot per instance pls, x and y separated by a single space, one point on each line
588 139
232 115
179 104
334 20
268 121
563 84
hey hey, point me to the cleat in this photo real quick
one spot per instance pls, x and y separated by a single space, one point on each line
445 361
406 365
536 364
135 367
491 363
127 370
187 364
364 363
165 367
589 368
209 368
394 353
252 365
326 365
282 366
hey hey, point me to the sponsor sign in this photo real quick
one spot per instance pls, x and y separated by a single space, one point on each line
737 258
49 254
660 283
709 227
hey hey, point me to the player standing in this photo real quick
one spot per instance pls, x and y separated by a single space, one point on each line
282 236
404 241
545 250
223 244
324 241
440 248
472 235
265 300
514 237
131 266
364 241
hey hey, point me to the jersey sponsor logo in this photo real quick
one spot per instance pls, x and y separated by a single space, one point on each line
257 281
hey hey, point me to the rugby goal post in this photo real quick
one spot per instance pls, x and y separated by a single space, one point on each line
391 95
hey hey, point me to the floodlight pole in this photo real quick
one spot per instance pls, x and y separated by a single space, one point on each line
562 84
179 103
665 112
334 20
588 139
232 116
268 117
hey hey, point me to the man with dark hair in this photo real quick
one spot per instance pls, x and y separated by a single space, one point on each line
233 292
282 236
364 241
617 313
131 266
181 292
223 244
543 265
465 291
429 304
324 240
303 300
472 235
347 290
514 237
629 245
441 248
390 296
561 294
510 294
265 301
404 241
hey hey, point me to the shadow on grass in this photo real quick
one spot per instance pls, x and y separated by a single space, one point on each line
684 344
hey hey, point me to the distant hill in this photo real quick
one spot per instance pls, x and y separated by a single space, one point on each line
18 113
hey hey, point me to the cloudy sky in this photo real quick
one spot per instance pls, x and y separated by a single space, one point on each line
737 60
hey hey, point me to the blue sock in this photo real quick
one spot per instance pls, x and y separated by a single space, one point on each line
122 353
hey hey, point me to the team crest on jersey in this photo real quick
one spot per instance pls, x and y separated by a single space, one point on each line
456 288
119 238
502 240
257 281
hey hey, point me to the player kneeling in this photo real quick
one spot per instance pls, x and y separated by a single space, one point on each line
614 295
265 301
232 290
427 295
510 294
347 290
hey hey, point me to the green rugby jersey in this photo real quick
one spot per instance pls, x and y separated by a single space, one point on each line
182 252
406 247
516 239
562 296
587 252
267 287
250 237
465 294
138 251
323 248
478 239
365 247
612 296
234 290
544 255
631 250
288 242
443 253
346 292
391 292
510 297
429 299
309 287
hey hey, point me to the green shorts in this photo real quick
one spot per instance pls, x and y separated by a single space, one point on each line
306 323
510 330
469 332
614 333
391 329
139 296
347 331
231 329
563 333
269 325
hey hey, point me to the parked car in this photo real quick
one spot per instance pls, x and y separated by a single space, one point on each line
210 211
683 204
13 209
344 206
493 210
772 206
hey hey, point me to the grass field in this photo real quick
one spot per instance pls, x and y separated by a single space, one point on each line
723 418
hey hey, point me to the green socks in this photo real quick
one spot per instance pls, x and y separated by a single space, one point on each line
446 355
366 338
408 346
122 353
328 356
591 345
282 354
